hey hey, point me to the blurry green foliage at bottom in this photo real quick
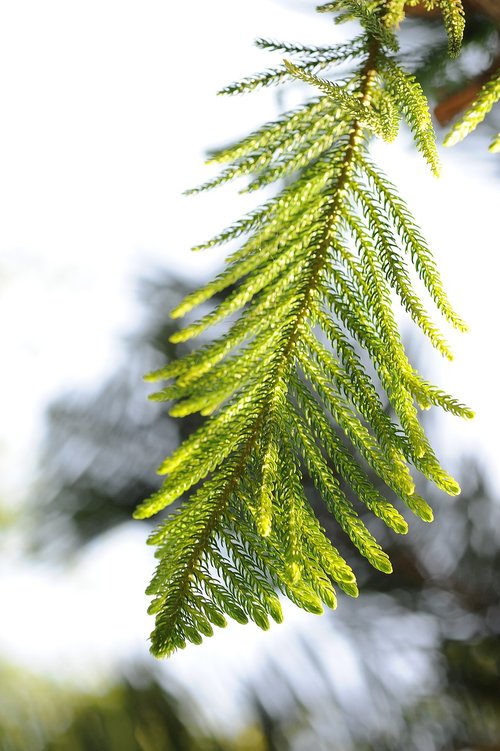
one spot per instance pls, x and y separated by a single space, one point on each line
36 715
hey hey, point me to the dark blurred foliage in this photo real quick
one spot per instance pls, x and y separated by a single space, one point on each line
136 713
425 640
101 450
137 718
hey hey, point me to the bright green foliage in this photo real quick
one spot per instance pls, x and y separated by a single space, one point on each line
495 144
394 13
453 17
408 96
487 97
284 385
311 59
454 21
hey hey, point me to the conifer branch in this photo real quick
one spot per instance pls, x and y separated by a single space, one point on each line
475 114
284 388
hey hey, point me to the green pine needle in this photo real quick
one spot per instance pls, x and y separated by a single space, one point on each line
284 386
475 114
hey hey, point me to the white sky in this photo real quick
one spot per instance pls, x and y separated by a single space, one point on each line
107 109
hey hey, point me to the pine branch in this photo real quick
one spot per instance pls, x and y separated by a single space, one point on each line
453 17
488 95
283 387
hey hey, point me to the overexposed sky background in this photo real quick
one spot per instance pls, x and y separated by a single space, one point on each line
107 110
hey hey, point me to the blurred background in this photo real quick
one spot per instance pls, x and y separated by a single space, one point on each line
108 110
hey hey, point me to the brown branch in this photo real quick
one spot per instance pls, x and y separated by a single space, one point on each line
420 11
489 8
